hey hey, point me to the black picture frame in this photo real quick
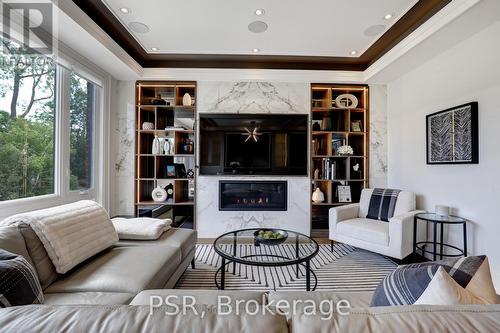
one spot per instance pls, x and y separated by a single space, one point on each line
448 149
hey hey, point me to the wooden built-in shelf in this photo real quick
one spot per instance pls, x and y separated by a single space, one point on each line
335 129
177 124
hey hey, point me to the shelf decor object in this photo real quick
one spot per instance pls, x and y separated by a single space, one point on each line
318 196
165 147
452 135
339 148
186 100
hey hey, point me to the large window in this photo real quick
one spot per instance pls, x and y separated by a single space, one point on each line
48 120
27 124
82 104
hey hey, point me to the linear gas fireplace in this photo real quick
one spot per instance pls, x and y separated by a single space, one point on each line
253 195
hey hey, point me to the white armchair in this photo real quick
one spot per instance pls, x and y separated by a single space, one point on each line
348 224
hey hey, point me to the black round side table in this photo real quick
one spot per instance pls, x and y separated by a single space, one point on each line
441 220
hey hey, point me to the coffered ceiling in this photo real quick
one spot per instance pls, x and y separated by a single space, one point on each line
313 34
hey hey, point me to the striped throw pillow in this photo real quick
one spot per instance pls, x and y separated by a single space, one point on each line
19 284
407 283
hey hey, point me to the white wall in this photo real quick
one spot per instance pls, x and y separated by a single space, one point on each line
469 71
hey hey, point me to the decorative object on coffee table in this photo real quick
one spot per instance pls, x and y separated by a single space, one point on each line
318 196
452 135
159 194
439 220
227 245
270 237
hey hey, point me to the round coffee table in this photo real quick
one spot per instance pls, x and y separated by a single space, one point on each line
298 249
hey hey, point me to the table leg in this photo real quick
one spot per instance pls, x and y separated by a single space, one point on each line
234 254
465 239
297 254
441 245
222 274
308 276
435 241
414 236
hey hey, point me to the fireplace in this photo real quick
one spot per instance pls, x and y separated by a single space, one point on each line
252 195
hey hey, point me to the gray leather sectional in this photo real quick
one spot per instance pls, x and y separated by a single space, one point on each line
113 276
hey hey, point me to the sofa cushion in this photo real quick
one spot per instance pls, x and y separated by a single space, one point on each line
185 239
443 290
43 265
122 269
19 284
407 283
404 319
136 319
406 202
355 299
89 297
12 240
202 297
373 231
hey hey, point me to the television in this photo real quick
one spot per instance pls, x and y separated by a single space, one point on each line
249 144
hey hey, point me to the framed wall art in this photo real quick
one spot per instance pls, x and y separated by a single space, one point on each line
452 135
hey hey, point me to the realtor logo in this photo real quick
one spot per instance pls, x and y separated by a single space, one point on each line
30 24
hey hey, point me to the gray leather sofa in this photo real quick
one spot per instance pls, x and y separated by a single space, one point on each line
139 317
113 276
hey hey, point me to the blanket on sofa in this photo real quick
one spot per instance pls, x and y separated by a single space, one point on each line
142 228
70 233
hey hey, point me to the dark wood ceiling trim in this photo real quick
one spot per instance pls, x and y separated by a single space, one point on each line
414 18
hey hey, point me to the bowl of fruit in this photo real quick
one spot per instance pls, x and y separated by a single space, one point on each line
270 236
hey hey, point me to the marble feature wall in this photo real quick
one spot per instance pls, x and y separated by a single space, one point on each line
123 141
378 136
253 97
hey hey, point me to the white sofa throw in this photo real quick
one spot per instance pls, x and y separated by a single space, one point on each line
71 233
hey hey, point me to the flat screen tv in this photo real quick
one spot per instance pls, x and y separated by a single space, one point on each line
239 144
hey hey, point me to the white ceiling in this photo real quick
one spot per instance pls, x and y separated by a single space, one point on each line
296 27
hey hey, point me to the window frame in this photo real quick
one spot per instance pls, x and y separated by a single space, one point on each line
62 193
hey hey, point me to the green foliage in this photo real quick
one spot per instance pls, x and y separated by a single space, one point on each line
27 157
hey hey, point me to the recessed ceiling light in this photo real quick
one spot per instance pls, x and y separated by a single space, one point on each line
256 50
138 27
257 27
354 52
260 12
125 10
154 49
388 16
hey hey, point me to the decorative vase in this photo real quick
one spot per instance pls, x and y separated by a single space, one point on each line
167 147
318 196
159 194
156 146
186 100
148 125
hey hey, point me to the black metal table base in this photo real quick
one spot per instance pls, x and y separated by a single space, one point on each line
306 265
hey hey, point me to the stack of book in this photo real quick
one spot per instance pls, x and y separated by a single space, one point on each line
329 169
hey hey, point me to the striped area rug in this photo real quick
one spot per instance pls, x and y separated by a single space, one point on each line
344 269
